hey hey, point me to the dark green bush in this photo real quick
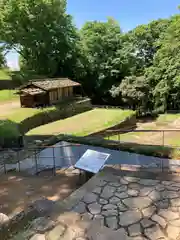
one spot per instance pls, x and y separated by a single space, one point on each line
9 133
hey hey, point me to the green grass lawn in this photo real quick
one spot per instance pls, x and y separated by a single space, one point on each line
21 114
164 121
85 123
5 74
124 137
131 136
8 95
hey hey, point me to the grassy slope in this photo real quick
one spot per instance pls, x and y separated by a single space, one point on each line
96 120
83 124
20 114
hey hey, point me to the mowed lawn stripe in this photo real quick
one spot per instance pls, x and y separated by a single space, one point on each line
85 123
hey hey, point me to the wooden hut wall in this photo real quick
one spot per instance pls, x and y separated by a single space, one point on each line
53 96
67 92
27 100
70 91
60 93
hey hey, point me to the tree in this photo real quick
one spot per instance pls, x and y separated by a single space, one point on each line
135 92
3 63
144 41
164 74
9 133
2 59
42 32
106 63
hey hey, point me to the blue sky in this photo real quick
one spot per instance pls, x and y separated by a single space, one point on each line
129 13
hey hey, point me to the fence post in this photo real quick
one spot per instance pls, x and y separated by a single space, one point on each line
163 137
54 163
36 162
162 164
4 164
19 167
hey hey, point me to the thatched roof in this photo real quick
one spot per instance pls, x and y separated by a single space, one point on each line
32 91
51 83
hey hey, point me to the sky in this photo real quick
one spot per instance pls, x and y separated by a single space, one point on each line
129 13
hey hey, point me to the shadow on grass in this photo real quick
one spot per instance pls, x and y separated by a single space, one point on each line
147 119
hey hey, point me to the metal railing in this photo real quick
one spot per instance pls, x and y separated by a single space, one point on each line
163 136
109 107
37 159
167 156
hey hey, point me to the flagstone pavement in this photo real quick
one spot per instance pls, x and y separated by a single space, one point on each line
117 207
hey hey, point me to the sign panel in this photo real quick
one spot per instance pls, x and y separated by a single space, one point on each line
92 161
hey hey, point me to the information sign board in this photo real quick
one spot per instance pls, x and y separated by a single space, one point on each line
92 161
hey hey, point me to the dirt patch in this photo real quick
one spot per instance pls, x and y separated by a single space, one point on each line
155 138
18 191
8 107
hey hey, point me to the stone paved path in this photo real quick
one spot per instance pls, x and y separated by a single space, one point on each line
120 208
140 208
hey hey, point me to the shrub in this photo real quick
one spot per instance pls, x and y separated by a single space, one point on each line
9 133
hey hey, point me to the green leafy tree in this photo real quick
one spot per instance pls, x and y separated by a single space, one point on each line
164 74
42 32
144 41
2 60
106 62
9 133
135 92
3 63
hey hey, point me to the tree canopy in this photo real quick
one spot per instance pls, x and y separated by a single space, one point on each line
107 59
145 40
41 32
139 69
165 70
